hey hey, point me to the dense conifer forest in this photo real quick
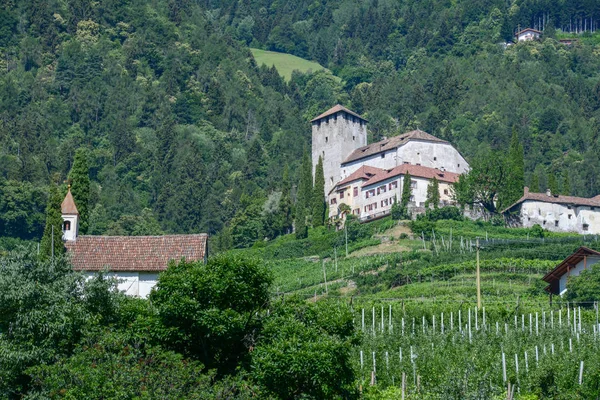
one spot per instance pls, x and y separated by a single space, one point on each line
182 132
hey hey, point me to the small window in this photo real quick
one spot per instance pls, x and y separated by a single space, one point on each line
556 223
570 216
334 201
458 165
446 191
326 139
568 207
413 184
331 179
434 158
382 155
353 137
406 162
412 198
418 163
355 191
342 194
585 227
544 223
67 226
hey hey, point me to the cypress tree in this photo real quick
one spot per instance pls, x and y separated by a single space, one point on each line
566 185
303 203
553 184
319 206
53 219
406 191
433 193
534 186
516 172
79 178
286 201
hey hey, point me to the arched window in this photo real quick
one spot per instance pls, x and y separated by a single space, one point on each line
67 226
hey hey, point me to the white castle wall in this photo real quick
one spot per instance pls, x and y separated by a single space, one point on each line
560 217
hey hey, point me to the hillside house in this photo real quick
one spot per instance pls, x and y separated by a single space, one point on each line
579 261
370 192
528 34
556 213
135 261
339 137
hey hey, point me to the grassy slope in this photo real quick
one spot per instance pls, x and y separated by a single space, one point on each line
285 63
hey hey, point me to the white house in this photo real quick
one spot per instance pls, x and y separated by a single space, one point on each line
573 265
555 213
135 261
527 34
369 192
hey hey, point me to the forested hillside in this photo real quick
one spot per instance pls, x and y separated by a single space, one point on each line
183 132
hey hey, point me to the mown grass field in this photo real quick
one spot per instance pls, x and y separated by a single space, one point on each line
285 63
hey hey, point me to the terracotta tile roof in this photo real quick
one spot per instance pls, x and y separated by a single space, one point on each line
558 199
365 172
335 109
418 171
391 143
553 277
68 204
134 253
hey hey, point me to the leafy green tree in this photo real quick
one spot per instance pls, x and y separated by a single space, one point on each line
135 225
319 206
22 207
286 208
52 241
566 184
211 311
433 194
534 186
79 178
585 288
305 195
306 350
396 210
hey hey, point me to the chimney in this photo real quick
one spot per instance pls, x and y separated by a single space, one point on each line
548 192
526 190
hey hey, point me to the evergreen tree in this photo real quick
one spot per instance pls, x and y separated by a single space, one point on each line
79 178
534 186
515 182
433 193
319 206
53 226
566 185
303 203
286 208
406 191
553 184
396 211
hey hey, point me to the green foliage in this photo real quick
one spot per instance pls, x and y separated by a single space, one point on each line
396 210
515 181
52 241
406 191
79 178
305 351
22 207
433 194
585 288
319 206
210 312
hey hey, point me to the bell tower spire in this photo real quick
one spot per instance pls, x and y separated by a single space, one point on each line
70 217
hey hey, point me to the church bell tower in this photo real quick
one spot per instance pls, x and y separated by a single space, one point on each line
70 217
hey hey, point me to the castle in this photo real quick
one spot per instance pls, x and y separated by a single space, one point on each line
368 177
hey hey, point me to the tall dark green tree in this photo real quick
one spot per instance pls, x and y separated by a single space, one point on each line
319 206
566 185
433 194
286 207
52 243
303 202
406 191
534 185
79 178
553 183
515 179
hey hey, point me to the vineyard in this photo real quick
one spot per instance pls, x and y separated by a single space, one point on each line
422 335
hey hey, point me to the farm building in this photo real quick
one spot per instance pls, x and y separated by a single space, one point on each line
556 213
135 261
527 34
579 261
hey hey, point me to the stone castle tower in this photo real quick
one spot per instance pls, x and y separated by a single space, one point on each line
335 135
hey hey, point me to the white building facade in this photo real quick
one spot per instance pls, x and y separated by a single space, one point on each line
582 259
555 213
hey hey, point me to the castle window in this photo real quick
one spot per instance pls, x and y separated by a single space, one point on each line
556 223
355 191
413 184
446 191
585 227
323 155
353 137
342 194
67 226
326 139
570 215
333 200
382 155
434 158
458 165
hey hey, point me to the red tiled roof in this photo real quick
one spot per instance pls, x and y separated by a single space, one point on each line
391 143
559 199
68 204
335 109
571 261
134 253
365 172
415 171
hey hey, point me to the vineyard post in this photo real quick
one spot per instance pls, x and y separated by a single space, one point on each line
579 319
423 324
363 319
373 320
476 322
470 337
387 361
570 345
484 318
537 331
403 326
568 315
552 348
400 351
346 234
374 364
325 277
596 305
382 321
497 330
478 276
361 360
459 321
517 365
403 384
442 323
560 318
530 324
523 322
581 373
451 321
526 363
